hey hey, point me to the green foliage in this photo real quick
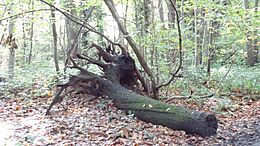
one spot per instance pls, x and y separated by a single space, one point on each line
240 79
38 79
229 23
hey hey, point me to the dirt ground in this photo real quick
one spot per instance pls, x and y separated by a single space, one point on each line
98 122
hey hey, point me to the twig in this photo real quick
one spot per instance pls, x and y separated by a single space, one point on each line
219 83
73 46
189 96
16 15
231 55
56 99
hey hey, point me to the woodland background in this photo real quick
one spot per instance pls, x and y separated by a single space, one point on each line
220 47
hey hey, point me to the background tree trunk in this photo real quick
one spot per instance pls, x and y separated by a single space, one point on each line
11 56
251 54
31 34
196 49
131 42
55 40
71 30
171 13
161 13
256 45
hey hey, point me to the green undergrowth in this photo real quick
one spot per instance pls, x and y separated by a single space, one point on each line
33 79
240 79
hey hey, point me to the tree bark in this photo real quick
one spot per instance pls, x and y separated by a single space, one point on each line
147 15
131 42
55 40
144 108
171 13
197 34
209 48
31 35
71 30
256 46
156 112
251 56
11 56
160 6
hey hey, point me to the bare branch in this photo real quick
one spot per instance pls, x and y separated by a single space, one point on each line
96 62
73 46
131 42
84 24
101 52
219 83
141 79
16 15
180 49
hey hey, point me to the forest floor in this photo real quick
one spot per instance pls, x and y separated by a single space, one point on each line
98 122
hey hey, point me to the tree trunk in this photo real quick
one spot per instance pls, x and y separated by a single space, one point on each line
251 56
256 46
147 15
171 13
120 81
182 13
196 51
156 112
55 40
11 56
24 39
71 30
31 35
160 6
131 42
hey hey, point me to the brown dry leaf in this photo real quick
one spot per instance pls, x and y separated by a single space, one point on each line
135 136
124 133
49 94
17 107
95 133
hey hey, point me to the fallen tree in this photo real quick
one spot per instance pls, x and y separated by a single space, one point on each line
119 82
123 82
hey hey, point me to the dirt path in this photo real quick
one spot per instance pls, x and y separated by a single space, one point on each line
249 133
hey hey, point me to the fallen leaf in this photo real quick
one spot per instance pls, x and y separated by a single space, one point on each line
124 133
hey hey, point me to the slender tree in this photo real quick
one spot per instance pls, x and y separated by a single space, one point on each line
171 13
251 54
71 29
256 45
11 56
55 40
161 11
31 33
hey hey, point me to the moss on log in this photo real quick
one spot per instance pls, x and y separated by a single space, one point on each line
156 112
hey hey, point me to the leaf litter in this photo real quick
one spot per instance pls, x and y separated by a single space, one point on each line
99 122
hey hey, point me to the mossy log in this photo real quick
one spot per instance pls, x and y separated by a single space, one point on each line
120 82
156 112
